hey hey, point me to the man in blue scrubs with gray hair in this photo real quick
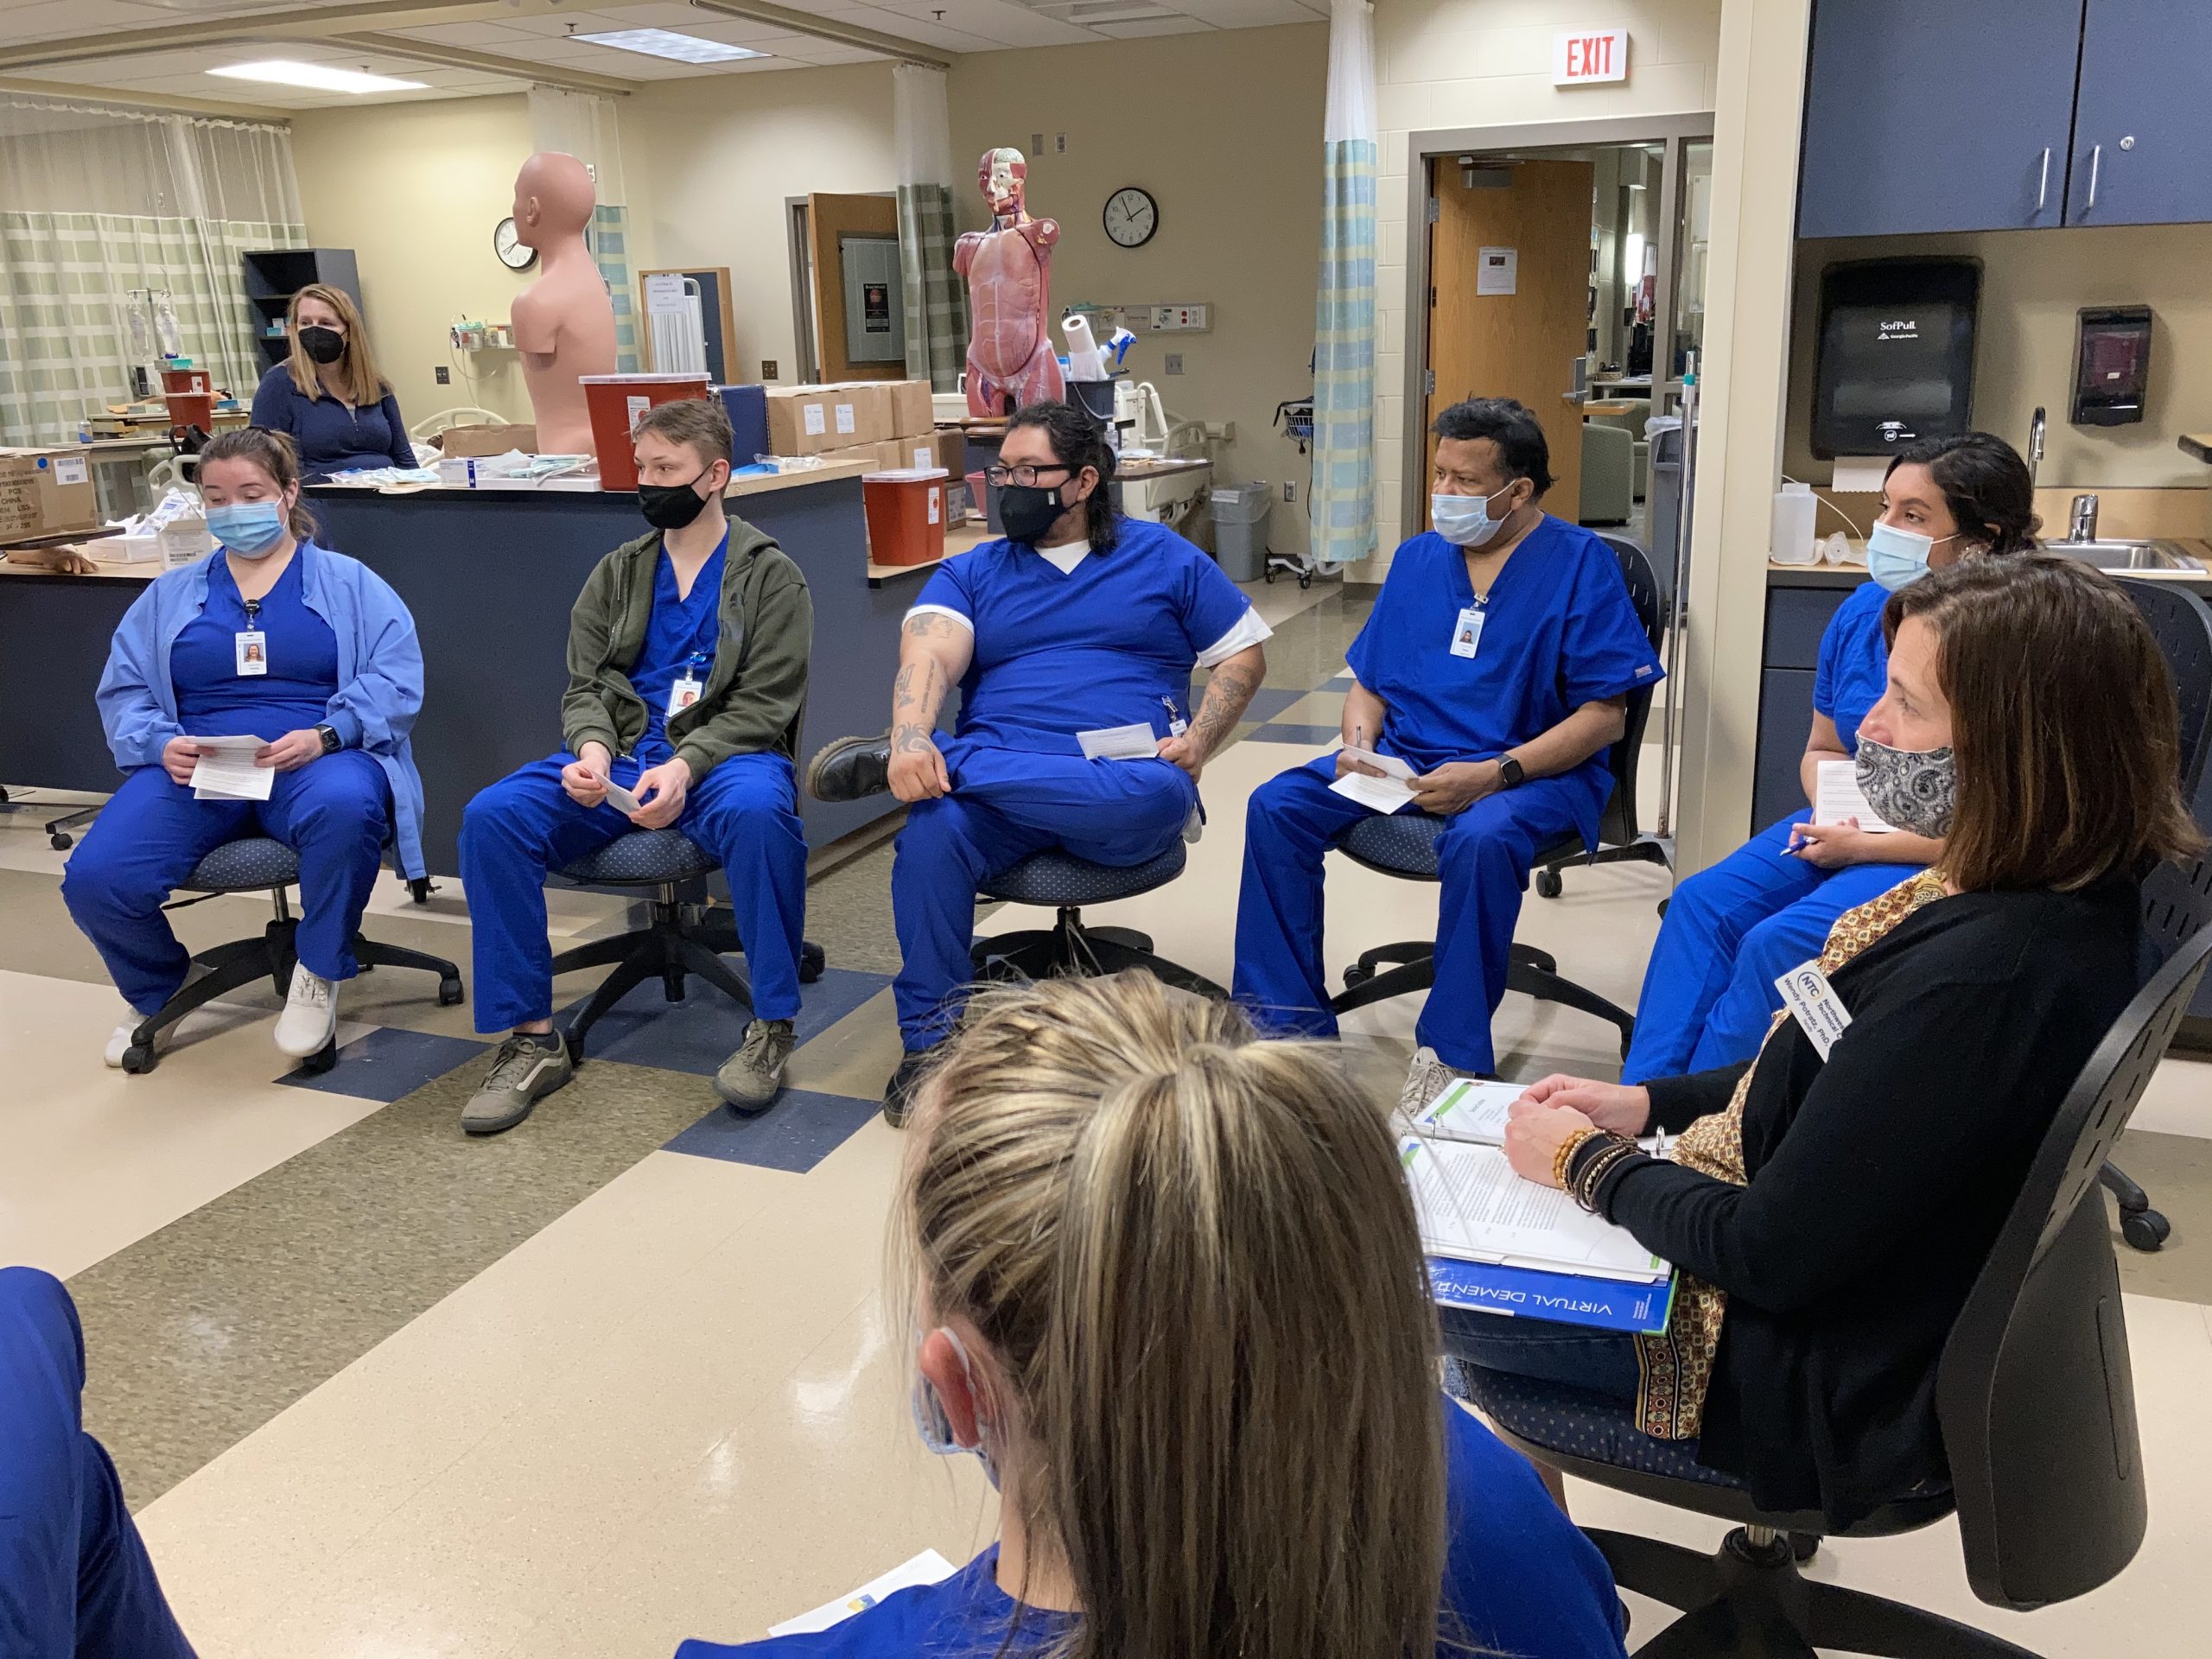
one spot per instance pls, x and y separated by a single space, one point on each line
1497 664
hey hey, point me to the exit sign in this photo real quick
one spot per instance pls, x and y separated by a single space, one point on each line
1585 57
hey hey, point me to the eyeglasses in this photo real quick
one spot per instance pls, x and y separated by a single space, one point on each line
1025 475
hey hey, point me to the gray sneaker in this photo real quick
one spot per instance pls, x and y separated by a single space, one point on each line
531 1067
753 1076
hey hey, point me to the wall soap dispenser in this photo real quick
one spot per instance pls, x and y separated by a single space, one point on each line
2112 366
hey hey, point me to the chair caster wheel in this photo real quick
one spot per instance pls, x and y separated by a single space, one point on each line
321 1060
1269 575
138 1058
812 959
1303 582
2145 1230
1549 884
1804 1545
450 993
61 841
1357 976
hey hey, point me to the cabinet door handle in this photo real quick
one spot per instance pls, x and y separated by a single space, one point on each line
2043 184
2096 156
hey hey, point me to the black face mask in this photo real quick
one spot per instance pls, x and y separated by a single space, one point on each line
1028 511
671 506
323 344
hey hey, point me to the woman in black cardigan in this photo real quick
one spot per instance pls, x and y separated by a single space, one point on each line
1830 1215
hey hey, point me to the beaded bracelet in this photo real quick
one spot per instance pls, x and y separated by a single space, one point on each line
1565 1155
1587 1180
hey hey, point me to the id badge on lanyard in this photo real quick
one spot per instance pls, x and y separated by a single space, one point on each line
1468 632
688 685
251 644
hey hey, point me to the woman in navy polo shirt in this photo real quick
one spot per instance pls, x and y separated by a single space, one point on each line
327 396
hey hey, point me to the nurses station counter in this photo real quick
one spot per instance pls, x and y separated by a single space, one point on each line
490 575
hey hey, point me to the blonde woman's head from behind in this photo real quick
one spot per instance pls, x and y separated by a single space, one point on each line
1168 1283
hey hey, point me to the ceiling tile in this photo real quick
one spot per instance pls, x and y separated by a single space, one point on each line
485 37
1162 26
52 20
1001 20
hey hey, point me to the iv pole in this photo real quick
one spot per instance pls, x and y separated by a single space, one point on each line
1678 607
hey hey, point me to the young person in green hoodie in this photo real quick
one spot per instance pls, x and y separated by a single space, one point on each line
687 677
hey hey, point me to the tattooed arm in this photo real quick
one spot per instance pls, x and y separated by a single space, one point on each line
1228 692
934 651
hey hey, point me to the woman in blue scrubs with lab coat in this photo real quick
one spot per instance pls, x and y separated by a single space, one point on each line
1497 664
1165 1283
1732 930
273 636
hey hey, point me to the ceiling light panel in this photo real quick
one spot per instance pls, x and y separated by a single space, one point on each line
322 77
666 43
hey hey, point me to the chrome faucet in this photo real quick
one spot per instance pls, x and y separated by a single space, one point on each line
2082 523
2035 448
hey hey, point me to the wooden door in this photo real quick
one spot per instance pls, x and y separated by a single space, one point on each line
829 217
1522 344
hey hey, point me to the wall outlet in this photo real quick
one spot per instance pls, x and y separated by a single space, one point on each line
1174 362
1036 143
445 375
1290 490
1059 143
768 369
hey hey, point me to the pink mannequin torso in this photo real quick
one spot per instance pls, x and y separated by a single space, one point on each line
1010 355
564 322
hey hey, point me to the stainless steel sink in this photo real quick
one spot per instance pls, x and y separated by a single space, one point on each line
2129 555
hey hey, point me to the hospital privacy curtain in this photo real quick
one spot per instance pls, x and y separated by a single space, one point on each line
1341 507
936 300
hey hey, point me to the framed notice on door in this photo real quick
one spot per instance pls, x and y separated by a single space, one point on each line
1498 270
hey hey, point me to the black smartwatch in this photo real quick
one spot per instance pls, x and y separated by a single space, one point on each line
1510 774
331 744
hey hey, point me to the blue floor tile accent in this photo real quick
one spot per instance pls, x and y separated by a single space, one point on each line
1267 702
1283 732
795 1133
387 1063
1341 682
698 1034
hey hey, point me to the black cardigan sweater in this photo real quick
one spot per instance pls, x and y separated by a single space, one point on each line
1877 1182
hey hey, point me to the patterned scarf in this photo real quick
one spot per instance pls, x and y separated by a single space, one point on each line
1677 1363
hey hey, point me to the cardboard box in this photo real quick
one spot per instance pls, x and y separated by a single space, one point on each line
887 455
951 450
912 411
860 413
465 440
798 420
46 491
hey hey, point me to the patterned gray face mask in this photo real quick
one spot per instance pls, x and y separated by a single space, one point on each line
1912 789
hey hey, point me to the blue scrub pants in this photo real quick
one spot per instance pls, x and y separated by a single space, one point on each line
745 812
1730 931
334 811
1006 805
1483 860
75 1582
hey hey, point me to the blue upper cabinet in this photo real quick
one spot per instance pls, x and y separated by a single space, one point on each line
1955 115
2143 121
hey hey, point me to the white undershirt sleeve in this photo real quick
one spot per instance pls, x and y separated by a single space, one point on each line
961 617
1248 632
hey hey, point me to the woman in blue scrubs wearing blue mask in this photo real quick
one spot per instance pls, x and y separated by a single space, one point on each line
269 636
1166 1283
1732 930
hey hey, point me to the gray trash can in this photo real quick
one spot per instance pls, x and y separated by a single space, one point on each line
1662 507
1240 529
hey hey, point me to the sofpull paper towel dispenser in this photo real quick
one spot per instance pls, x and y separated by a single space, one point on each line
1894 362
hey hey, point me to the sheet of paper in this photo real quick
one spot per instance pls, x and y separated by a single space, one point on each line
226 771
620 798
1133 742
1471 1204
1837 796
1468 1110
1376 794
1389 765
928 1567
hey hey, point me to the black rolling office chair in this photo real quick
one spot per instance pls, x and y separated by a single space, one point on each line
2034 1394
1069 947
684 934
1403 844
2184 628
257 864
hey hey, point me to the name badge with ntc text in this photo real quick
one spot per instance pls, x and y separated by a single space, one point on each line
1468 632
253 650
1815 1005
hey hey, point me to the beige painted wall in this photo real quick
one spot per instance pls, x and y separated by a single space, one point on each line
1443 63
415 190
1224 131
2032 284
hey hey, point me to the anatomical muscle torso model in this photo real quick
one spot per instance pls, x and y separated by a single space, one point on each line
564 322
1010 357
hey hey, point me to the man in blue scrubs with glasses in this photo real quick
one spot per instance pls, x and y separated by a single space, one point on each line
1497 664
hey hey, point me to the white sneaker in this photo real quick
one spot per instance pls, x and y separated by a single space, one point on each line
119 1042
310 1016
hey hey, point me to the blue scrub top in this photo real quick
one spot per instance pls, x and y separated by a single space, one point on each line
214 700
331 436
1519 1577
680 637
1855 664
1558 631
1111 643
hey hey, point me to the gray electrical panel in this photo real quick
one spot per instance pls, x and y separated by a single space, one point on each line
875 301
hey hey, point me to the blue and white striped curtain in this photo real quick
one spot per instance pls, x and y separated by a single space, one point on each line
1341 506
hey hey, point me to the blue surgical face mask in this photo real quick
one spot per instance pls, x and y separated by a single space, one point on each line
1464 520
1897 558
250 529
935 1427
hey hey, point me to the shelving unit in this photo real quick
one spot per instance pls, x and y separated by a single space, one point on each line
274 275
